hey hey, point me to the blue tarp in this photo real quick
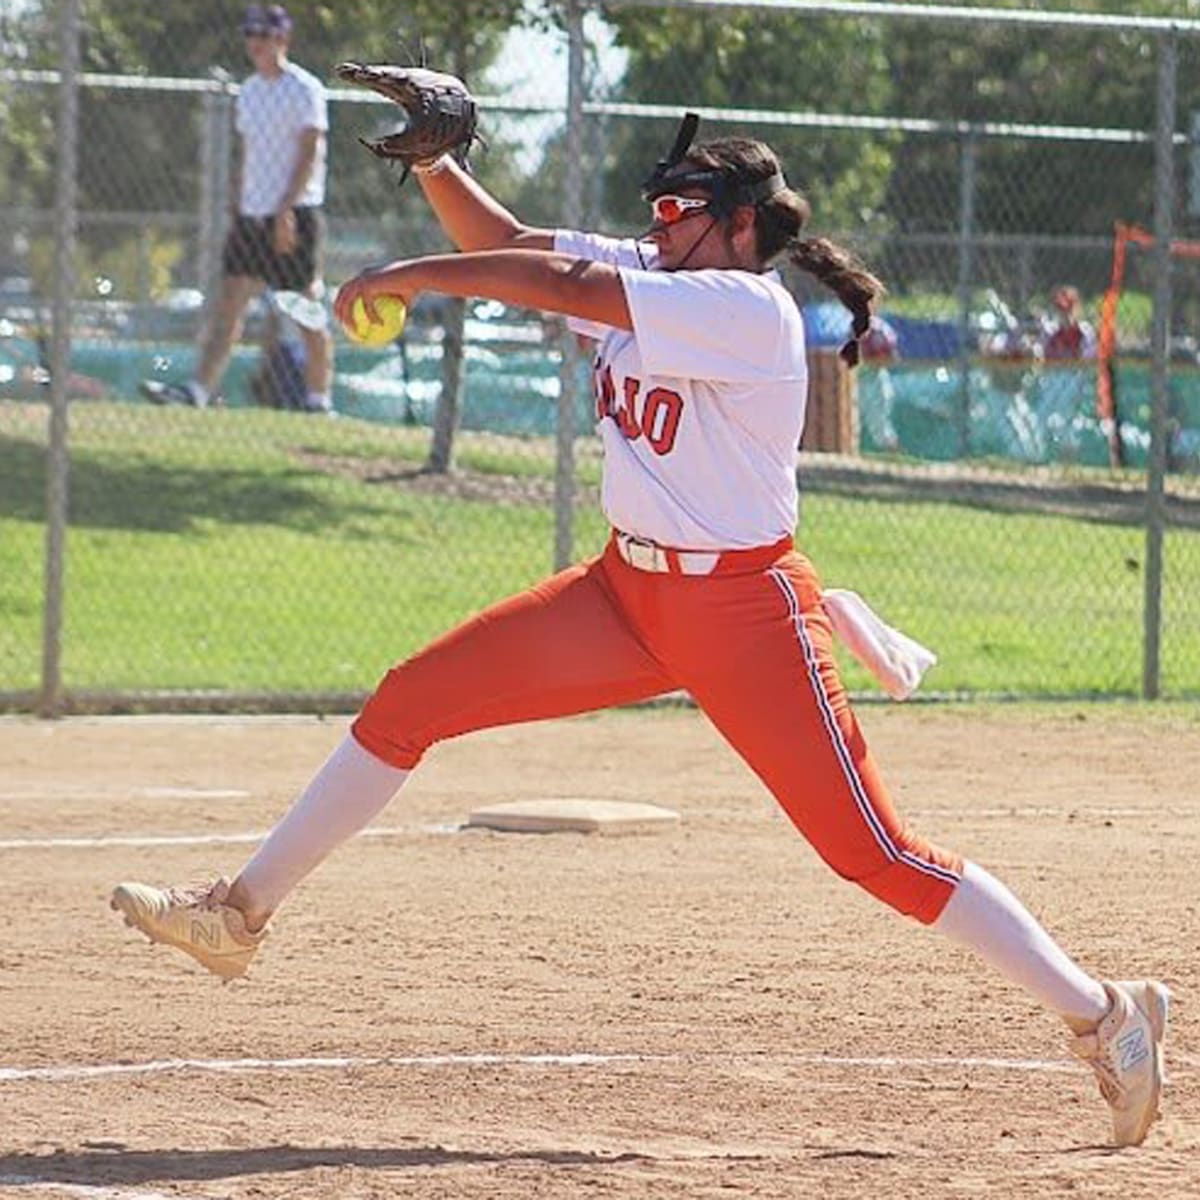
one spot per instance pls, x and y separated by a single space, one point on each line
1035 413
827 325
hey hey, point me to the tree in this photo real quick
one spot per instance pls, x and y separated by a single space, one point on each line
739 59
880 189
142 152
462 39
1000 74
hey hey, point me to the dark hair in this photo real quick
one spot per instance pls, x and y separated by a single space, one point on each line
778 224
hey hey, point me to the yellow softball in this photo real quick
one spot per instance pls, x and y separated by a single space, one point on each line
365 332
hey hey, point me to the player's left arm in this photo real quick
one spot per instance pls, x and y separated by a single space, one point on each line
558 283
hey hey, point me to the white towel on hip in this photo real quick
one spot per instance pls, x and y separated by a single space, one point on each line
891 656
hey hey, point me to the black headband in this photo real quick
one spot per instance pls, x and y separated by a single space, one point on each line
726 192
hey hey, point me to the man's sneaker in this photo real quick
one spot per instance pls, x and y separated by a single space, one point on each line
195 919
158 392
1126 1052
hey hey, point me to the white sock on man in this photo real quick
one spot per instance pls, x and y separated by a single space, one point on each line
986 917
199 392
317 402
350 790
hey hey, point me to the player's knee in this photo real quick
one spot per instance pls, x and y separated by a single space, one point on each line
909 875
386 725
910 890
226 328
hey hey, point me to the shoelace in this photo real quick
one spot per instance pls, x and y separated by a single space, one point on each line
193 895
1097 1053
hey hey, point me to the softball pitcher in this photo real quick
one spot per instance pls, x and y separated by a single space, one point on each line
700 386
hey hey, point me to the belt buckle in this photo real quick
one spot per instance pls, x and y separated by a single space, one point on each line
641 555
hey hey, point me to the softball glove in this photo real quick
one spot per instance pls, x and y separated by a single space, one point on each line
440 113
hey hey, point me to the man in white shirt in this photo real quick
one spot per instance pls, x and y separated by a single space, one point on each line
278 229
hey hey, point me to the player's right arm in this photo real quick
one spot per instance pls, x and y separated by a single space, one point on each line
473 218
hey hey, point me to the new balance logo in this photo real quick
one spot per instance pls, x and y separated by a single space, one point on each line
202 933
1133 1049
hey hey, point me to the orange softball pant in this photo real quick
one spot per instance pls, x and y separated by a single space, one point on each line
751 644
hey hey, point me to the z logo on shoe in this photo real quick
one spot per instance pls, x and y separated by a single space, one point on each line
1133 1048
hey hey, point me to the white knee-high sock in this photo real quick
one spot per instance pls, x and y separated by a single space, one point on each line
347 792
984 915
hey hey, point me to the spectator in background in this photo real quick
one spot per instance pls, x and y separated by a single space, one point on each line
880 343
1066 334
278 229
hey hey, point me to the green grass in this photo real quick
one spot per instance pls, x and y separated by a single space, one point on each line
1011 602
260 551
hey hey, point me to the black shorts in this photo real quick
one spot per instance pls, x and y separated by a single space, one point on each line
249 251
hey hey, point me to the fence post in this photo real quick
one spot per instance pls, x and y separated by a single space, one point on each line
447 416
969 156
1164 199
206 255
564 466
598 128
66 220
215 166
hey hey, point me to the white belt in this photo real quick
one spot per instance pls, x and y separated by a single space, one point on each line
648 556
895 660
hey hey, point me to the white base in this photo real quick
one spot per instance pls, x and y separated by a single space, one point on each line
573 816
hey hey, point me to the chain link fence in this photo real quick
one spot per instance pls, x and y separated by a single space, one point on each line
275 548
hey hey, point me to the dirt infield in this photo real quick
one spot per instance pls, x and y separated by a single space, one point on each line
705 1012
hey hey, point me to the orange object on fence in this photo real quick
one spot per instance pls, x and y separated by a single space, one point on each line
1106 345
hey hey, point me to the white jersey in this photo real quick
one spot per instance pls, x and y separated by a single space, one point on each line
701 407
271 116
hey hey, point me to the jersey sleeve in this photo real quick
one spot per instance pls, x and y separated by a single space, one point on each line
617 252
595 247
730 326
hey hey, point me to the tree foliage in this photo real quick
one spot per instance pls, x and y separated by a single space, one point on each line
142 155
142 151
740 59
994 73
880 190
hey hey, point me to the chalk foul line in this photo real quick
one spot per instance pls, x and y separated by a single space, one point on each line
69 1073
84 1191
196 839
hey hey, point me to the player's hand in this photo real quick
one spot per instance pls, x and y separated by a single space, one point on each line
395 279
285 231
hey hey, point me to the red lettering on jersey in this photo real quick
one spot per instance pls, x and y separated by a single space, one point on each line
660 415
660 419
627 421
606 392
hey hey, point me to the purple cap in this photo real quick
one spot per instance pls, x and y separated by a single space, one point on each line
266 18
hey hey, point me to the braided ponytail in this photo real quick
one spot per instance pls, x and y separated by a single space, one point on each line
778 224
846 277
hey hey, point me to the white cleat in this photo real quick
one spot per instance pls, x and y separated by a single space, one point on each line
1126 1052
194 919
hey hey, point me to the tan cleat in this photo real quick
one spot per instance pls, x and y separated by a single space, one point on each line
1126 1052
195 919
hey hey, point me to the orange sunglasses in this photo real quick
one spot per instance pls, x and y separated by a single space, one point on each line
668 210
